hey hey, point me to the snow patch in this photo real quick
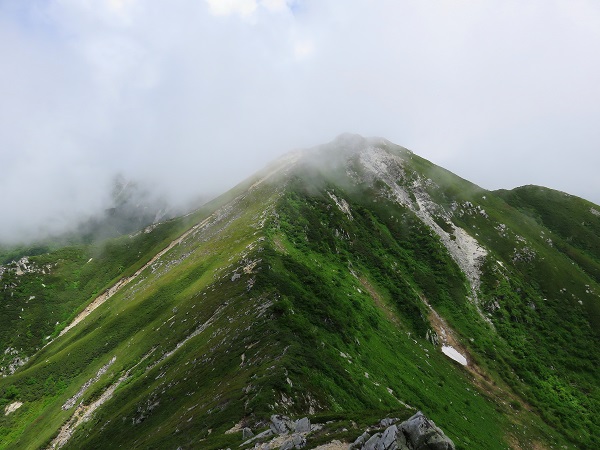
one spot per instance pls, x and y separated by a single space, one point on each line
454 354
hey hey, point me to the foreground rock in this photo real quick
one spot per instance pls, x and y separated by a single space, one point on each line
416 433
284 433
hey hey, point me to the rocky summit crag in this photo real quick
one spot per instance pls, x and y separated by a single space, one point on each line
339 285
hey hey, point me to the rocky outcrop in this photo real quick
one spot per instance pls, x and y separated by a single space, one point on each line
416 433
281 424
12 407
302 425
283 433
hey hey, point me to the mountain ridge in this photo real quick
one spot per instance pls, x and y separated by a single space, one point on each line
326 282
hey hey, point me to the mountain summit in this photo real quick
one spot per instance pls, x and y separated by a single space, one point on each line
344 284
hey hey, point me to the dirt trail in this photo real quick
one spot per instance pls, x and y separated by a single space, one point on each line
124 281
287 162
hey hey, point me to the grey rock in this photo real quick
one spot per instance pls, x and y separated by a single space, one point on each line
281 424
417 433
360 441
316 427
401 441
422 434
259 436
379 441
372 442
264 434
295 441
388 439
247 433
302 425
387 422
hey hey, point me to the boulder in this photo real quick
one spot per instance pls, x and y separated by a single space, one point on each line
281 424
388 439
302 425
387 422
360 441
422 434
417 433
372 442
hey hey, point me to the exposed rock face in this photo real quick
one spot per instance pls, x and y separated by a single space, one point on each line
287 434
281 424
12 407
302 425
13 364
417 433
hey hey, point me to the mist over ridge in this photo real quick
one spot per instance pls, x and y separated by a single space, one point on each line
192 97
127 205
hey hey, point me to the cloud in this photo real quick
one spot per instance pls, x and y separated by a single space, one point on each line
193 96
275 5
228 7
245 8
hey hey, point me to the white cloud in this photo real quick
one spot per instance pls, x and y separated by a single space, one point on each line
303 49
274 5
230 7
500 92
120 7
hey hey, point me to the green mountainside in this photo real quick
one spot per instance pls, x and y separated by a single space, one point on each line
325 286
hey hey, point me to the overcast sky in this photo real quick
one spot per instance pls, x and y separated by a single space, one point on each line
194 95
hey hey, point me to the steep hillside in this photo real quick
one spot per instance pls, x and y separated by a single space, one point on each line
575 223
334 284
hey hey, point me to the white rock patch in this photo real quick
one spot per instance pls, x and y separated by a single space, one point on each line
342 204
464 249
12 408
71 402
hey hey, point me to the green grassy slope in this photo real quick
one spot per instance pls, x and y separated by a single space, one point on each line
154 313
38 303
574 224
